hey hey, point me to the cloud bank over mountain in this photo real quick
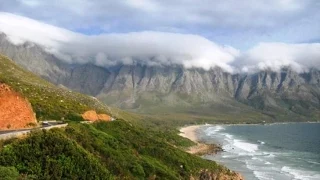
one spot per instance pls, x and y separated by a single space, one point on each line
300 57
241 24
157 48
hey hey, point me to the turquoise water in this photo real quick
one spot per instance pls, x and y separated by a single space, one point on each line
275 151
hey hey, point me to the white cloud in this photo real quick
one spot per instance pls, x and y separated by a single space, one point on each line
274 56
157 48
239 23
146 5
108 49
30 30
31 3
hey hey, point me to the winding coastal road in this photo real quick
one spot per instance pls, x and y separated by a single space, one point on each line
8 134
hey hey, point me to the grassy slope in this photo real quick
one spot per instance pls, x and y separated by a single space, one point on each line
103 150
173 110
225 112
47 100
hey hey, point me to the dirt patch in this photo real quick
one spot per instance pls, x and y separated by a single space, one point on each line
15 111
93 116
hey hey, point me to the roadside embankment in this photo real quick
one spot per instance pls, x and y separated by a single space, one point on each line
22 133
15 110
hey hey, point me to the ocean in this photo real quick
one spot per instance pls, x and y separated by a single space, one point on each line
273 151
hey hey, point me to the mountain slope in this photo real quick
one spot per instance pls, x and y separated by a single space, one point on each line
47 100
211 95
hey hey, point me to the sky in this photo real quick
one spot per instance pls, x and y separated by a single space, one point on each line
233 34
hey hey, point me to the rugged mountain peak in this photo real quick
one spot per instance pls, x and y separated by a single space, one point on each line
141 86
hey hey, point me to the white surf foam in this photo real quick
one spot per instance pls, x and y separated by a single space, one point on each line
271 155
312 162
249 147
300 174
261 175
229 136
213 130
260 163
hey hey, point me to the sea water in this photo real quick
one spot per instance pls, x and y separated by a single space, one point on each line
273 151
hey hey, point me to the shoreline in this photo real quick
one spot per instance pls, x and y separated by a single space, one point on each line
190 132
200 148
241 123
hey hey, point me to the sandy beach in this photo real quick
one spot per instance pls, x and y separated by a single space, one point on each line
190 132
200 148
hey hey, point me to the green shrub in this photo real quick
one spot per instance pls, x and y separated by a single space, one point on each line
8 173
98 151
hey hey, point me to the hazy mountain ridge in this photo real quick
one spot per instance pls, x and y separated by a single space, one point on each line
141 86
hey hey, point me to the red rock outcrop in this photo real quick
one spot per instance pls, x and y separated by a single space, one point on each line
15 111
93 116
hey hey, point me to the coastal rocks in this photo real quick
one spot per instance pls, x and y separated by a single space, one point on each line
225 174
15 111
202 149
93 116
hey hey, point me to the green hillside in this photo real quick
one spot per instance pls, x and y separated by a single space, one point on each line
47 100
103 150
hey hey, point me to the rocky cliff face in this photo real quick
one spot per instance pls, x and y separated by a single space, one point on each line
266 90
140 86
83 78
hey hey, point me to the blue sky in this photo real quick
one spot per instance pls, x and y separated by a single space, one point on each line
241 24
236 35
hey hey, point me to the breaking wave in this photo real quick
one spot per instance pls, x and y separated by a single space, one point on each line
261 162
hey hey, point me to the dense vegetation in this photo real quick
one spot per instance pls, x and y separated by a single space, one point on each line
8 173
50 154
103 150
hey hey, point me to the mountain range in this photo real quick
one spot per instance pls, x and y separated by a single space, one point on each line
269 95
120 149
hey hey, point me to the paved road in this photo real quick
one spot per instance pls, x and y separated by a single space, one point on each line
15 133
